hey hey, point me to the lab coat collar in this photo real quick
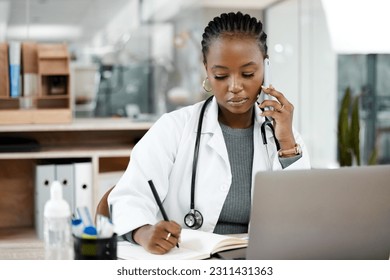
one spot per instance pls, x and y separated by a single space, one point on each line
211 125
210 121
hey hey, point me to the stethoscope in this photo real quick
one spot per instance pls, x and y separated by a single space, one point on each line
194 218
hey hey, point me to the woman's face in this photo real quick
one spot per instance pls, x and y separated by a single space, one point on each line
235 70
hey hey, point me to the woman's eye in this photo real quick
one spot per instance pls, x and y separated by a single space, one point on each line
248 75
245 75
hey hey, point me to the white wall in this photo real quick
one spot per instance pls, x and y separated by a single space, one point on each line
4 11
304 68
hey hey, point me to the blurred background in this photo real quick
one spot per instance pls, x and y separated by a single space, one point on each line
138 59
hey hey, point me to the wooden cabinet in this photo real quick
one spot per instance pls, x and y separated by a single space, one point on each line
107 143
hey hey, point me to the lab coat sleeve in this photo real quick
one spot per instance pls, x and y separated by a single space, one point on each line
151 159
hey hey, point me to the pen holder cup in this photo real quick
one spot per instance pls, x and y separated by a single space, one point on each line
95 249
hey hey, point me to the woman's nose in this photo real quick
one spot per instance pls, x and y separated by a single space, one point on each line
235 85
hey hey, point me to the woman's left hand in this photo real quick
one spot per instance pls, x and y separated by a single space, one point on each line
282 115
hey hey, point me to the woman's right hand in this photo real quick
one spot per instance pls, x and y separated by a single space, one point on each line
159 238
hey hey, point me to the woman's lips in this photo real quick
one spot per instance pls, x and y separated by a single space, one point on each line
237 101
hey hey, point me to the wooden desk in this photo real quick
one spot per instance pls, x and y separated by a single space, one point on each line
20 244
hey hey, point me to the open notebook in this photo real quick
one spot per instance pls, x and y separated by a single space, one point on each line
195 244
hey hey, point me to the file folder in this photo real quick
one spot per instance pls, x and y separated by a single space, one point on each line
30 70
14 68
83 185
65 175
76 179
44 176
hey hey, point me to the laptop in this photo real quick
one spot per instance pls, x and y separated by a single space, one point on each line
321 214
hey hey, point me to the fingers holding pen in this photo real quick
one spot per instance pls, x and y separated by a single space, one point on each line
167 235
159 238
172 232
164 237
156 240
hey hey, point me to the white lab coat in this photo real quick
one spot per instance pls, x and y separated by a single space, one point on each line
165 155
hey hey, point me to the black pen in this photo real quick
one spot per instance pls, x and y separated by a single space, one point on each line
157 198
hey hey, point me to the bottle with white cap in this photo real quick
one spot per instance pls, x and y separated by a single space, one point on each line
57 226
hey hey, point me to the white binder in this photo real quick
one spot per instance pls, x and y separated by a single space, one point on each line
65 175
83 185
44 176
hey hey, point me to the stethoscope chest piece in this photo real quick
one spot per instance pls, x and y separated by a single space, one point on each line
193 219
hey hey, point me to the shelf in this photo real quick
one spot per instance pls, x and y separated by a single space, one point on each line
31 116
70 152
85 124
61 101
84 138
9 103
48 97
53 103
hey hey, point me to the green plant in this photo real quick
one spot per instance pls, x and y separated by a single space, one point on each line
349 130
373 157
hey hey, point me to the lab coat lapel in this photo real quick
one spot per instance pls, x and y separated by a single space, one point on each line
211 126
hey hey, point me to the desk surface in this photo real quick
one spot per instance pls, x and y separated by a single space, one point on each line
20 244
23 244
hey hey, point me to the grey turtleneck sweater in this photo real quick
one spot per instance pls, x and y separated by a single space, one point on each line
234 217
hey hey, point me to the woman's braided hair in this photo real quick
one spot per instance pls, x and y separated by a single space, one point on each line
234 24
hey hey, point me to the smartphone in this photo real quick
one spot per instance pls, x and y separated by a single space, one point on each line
266 82
267 74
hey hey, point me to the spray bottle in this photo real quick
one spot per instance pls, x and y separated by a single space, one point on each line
57 226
